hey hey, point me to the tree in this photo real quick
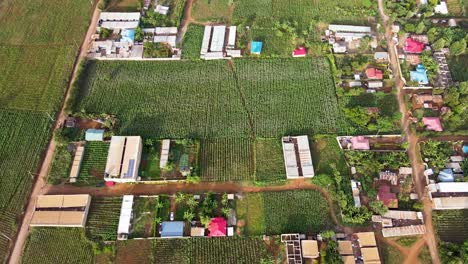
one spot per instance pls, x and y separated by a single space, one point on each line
420 28
409 27
357 115
191 202
224 199
327 234
188 216
378 207
226 211
139 34
205 220
157 220
458 47
149 142
179 197
332 256
439 44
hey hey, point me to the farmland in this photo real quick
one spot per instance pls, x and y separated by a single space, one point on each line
226 160
23 137
451 225
192 42
300 211
269 164
94 162
58 245
103 218
458 65
267 98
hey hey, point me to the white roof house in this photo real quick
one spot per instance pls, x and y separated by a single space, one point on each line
449 195
217 39
165 30
123 159
166 144
160 9
171 40
294 148
232 37
441 8
349 28
119 20
206 39
125 217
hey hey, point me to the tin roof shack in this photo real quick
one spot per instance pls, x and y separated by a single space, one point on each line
448 195
119 20
172 229
368 247
297 157
61 210
345 38
126 215
123 159
76 165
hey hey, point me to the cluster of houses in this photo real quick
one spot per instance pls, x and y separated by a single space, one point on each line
116 31
215 46
347 38
355 248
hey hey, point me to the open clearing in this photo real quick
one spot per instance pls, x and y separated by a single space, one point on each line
264 98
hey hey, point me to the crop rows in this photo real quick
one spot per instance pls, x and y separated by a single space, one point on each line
57 245
214 250
451 225
103 218
269 163
94 162
264 98
227 159
7 227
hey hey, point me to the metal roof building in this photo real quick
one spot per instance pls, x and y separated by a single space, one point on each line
123 159
165 30
76 165
206 39
61 210
349 28
232 37
294 148
449 195
172 229
125 216
119 20
217 38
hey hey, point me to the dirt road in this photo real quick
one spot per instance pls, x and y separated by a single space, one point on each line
171 188
41 179
413 149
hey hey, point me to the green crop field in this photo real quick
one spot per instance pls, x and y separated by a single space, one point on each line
269 163
196 99
193 39
22 139
94 162
135 251
301 211
458 66
103 218
226 159
57 245
451 225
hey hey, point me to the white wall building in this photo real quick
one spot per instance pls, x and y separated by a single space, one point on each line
126 212
449 195
297 157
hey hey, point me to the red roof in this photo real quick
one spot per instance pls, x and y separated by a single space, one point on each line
217 227
299 52
432 123
373 73
413 46
110 183
388 198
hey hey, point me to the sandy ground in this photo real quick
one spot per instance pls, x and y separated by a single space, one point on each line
41 180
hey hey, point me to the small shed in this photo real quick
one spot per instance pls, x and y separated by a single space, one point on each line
197 231
299 52
360 143
309 249
94 134
345 247
446 175
366 239
381 56
172 229
256 47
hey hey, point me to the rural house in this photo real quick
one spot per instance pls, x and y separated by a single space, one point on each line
172 229
449 195
123 159
297 157
61 210
126 212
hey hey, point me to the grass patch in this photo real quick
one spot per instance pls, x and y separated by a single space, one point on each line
57 245
425 256
134 251
407 241
145 210
211 10
391 255
269 164
60 170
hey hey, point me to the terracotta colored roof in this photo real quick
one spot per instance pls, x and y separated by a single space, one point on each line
300 52
373 73
217 227
387 197
413 46
360 143
432 123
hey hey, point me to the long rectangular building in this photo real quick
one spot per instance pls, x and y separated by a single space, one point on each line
297 157
123 159
61 210
125 217
449 195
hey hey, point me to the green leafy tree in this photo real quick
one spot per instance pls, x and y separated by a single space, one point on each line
458 47
439 44
188 216
179 198
378 207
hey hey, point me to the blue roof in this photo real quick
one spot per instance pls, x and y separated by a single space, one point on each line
256 47
465 149
94 134
419 75
172 229
128 35
446 175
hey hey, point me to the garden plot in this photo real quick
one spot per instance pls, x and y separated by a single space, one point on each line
103 218
144 222
269 163
94 163
451 225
